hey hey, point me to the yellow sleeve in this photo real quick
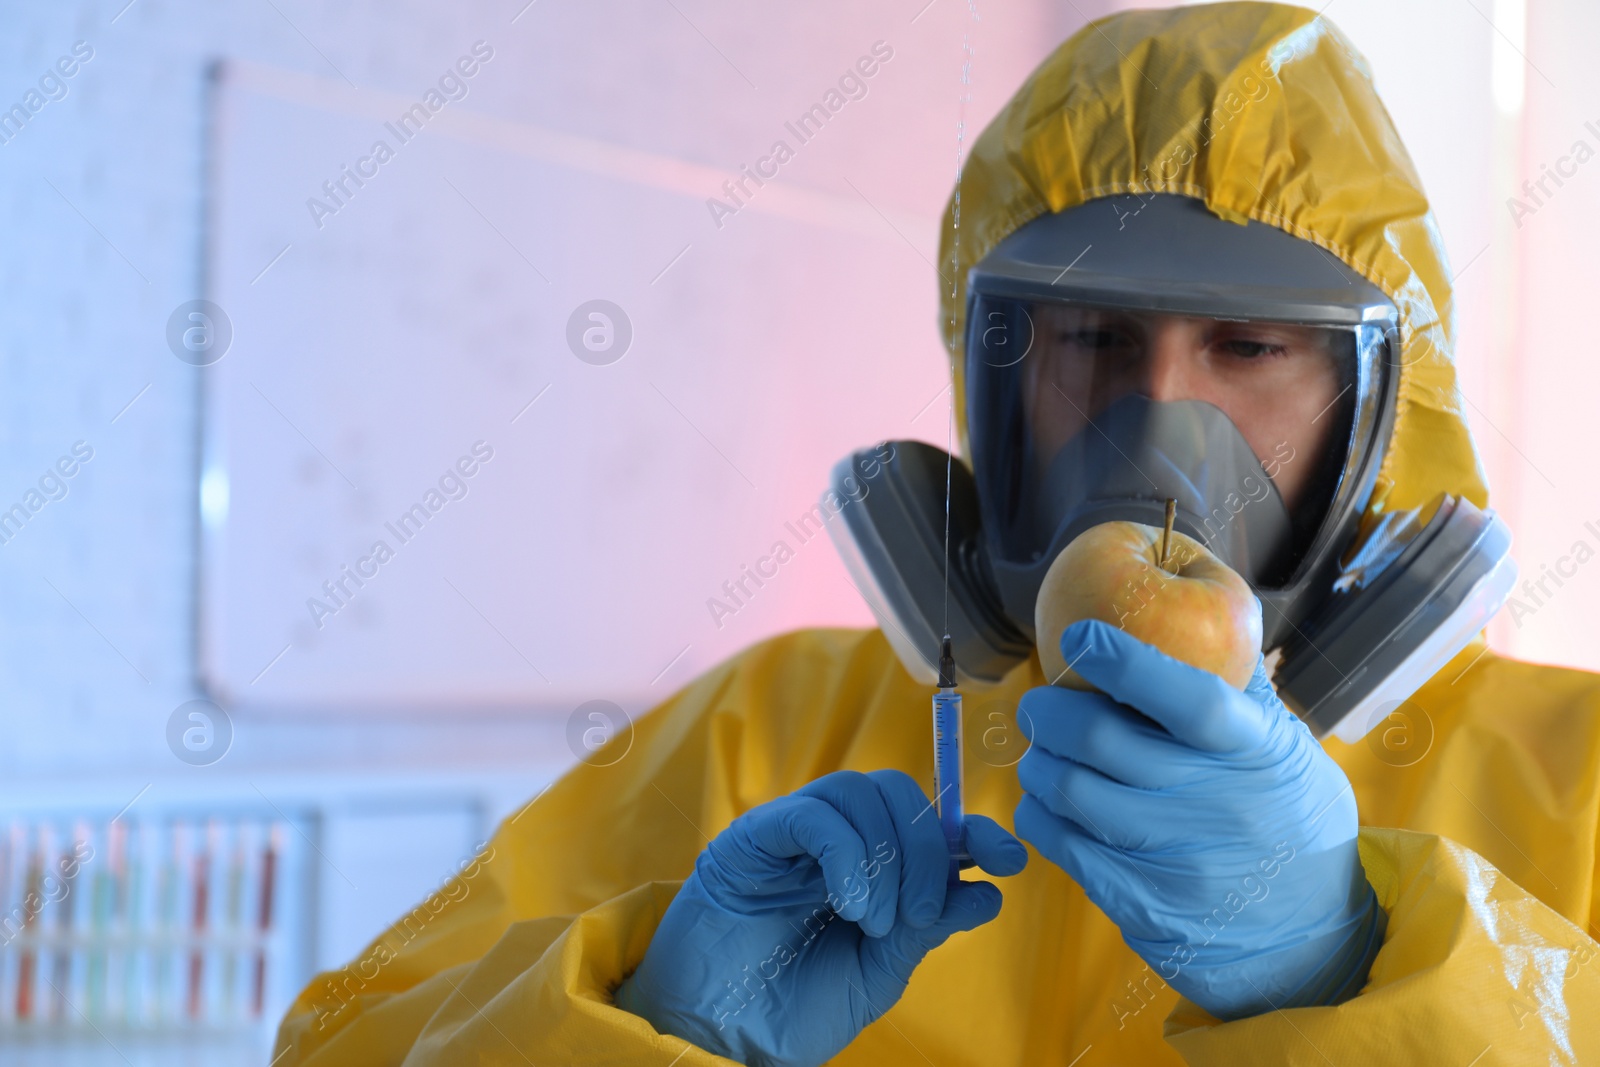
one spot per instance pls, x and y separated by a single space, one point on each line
1473 970
542 994
516 958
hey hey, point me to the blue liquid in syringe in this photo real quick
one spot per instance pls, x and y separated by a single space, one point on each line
947 773
947 776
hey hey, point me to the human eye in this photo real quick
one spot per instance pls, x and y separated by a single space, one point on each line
1247 349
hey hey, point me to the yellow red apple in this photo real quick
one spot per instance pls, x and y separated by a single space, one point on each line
1195 609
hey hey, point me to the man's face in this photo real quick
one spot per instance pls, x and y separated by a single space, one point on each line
1277 383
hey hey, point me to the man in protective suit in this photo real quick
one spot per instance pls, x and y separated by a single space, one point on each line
761 878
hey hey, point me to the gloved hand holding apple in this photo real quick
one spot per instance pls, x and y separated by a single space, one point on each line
1159 585
1192 807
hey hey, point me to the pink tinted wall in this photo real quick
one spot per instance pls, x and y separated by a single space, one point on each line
1552 377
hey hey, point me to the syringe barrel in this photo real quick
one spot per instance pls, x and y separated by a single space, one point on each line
947 774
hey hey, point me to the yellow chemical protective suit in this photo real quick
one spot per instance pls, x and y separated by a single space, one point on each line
1482 851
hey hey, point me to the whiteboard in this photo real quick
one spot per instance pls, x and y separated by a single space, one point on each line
381 352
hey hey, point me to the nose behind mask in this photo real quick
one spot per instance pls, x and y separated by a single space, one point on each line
1125 465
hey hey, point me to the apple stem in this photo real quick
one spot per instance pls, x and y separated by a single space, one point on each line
1166 531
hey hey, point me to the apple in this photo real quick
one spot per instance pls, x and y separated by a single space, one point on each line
1195 609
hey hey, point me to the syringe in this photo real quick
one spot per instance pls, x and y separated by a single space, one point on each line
947 777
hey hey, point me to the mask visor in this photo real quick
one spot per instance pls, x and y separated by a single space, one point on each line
1082 414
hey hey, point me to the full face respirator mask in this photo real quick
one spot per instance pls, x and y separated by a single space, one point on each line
1131 351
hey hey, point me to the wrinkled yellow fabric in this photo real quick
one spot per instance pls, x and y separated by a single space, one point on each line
1482 850
1488 884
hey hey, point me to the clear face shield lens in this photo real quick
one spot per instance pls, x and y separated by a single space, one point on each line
1082 414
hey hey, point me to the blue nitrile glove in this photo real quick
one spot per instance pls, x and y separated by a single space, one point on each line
803 920
1207 823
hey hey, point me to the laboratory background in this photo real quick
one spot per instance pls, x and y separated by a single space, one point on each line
397 399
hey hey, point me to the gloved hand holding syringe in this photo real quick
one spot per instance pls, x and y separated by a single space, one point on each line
947 776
